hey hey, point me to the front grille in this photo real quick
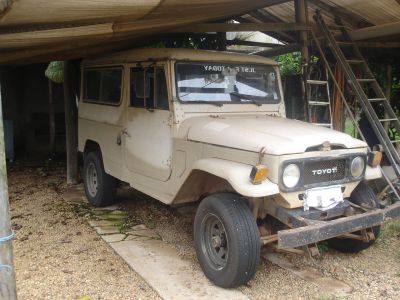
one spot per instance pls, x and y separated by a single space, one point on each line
320 171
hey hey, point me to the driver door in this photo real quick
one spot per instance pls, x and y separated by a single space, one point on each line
147 133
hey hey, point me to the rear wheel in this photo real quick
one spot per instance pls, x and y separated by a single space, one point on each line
99 186
227 240
364 196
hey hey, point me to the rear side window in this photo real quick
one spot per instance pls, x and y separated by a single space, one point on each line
149 88
102 85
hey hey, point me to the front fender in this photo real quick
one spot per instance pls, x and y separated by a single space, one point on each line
238 176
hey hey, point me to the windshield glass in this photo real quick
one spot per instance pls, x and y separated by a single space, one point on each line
227 83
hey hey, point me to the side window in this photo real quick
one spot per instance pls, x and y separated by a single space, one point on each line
102 85
149 88
161 89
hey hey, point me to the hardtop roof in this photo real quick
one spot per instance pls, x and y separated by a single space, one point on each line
160 54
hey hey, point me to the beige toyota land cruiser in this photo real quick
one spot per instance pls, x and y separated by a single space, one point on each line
201 126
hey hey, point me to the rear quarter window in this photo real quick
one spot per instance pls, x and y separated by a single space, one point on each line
102 85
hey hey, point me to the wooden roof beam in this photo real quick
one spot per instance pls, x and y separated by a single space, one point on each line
237 27
378 31
347 16
280 50
252 43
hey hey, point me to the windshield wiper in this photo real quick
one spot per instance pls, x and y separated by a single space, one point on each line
247 97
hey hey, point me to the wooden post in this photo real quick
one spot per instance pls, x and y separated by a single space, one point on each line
52 126
71 123
7 273
301 15
337 106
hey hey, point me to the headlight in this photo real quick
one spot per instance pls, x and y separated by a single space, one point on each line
291 176
357 166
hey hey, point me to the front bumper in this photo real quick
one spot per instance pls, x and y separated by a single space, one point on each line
314 231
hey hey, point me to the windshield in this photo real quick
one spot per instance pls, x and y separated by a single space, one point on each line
227 83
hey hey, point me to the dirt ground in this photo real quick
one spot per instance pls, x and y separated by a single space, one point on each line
59 256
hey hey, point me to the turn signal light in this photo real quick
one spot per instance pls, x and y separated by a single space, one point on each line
258 174
374 158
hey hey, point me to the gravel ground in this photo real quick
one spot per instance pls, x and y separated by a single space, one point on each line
58 256
374 273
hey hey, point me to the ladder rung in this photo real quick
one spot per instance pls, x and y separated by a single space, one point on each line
395 141
376 99
316 82
366 80
344 43
354 61
318 103
336 27
388 120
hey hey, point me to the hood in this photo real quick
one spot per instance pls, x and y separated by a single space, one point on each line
278 135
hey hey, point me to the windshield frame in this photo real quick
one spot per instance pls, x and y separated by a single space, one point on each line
221 103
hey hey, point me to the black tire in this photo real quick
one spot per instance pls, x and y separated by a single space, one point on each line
364 196
239 239
102 191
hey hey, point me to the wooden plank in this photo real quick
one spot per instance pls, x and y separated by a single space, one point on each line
224 27
252 43
378 44
347 16
378 31
280 50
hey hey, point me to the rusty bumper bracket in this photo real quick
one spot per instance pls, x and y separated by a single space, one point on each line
317 230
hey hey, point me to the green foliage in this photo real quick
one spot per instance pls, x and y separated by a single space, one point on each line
393 228
323 247
55 71
289 64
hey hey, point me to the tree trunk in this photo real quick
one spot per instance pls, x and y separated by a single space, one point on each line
52 125
71 123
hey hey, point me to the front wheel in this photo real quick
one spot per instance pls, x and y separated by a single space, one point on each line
364 196
227 240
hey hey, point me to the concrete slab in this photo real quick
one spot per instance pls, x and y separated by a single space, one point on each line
113 238
145 233
172 277
168 274
101 223
107 230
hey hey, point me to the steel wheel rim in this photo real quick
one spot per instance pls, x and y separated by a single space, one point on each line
214 241
92 179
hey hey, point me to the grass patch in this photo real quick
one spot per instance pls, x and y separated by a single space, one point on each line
392 228
323 247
